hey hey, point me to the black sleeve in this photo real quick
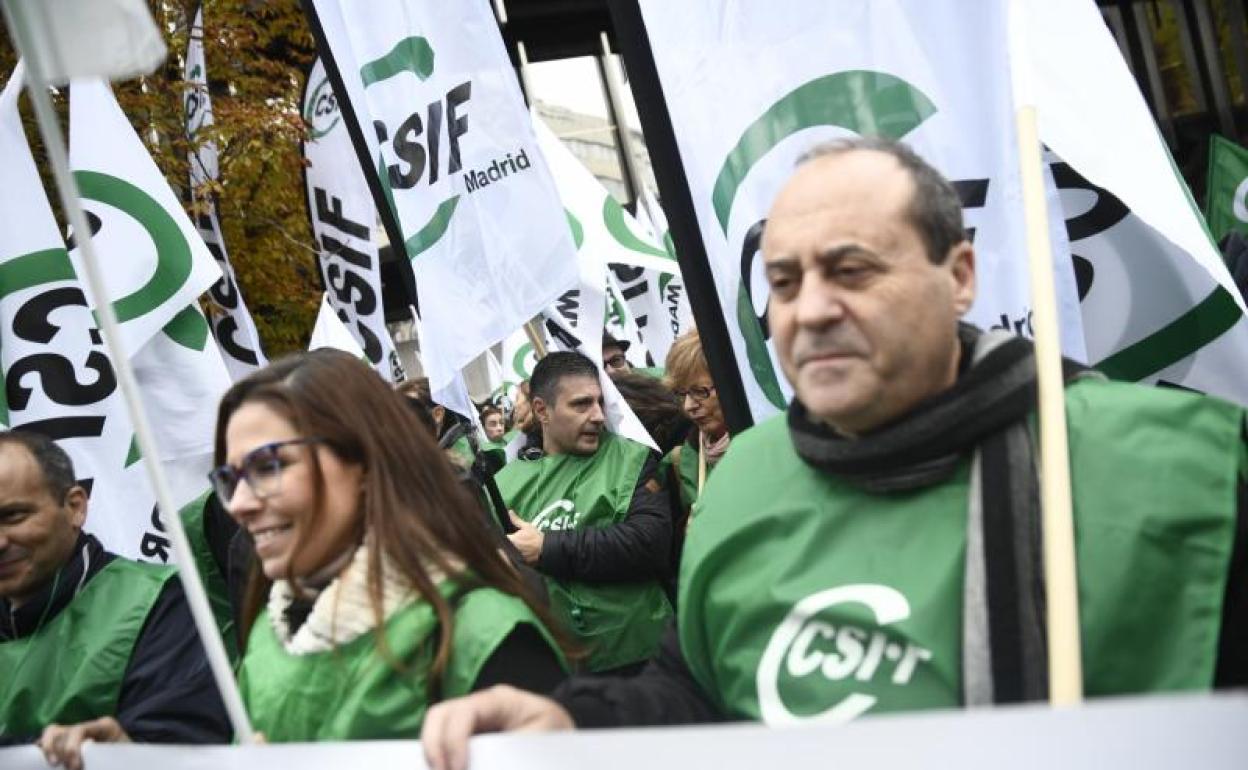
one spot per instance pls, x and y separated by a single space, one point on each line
168 694
664 693
524 660
638 548
1232 667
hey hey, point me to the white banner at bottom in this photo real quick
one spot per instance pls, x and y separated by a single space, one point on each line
1159 732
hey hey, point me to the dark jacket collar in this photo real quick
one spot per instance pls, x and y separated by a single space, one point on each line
85 561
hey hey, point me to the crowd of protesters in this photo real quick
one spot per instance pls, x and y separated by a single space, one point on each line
380 570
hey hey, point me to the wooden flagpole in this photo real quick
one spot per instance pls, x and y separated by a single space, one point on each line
1060 569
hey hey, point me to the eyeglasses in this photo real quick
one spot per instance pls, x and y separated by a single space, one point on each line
698 393
261 467
617 361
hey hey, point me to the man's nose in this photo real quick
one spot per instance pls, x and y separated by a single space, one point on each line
819 302
598 415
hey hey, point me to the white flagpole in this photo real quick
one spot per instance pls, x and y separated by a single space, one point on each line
1060 568
67 187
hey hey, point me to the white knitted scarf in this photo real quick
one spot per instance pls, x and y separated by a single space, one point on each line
342 611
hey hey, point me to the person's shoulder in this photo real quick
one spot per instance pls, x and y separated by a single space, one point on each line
1097 398
756 461
139 571
486 612
763 438
487 601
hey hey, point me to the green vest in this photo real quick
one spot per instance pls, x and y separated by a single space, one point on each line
685 460
462 449
71 669
214 582
619 623
355 691
803 597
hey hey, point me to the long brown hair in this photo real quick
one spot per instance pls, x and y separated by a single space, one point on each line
412 504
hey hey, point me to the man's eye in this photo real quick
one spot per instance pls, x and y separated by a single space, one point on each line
781 284
851 273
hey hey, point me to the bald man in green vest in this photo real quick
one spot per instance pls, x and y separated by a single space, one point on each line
92 646
875 549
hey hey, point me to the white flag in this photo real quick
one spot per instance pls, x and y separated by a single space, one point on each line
331 332
57 377
640 264
441 112
518 361
622 325
155 267
344 221
153 261
1158 302
927 72
115 39
576 320
232 325
181 375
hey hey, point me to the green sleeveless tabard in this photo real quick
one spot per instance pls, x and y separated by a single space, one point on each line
214 582
804 598
354 691
462 449
71 669
619 623
685 459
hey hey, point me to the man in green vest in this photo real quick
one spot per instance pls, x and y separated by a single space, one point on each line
92 646
592 518
875 548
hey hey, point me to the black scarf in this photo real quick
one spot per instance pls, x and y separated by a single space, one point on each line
984 415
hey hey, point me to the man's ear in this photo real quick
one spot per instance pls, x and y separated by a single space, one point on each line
540 410
76 505
961 264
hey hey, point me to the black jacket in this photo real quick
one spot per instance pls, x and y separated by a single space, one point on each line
167 693
638 548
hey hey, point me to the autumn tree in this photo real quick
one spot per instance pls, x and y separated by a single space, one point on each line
257 56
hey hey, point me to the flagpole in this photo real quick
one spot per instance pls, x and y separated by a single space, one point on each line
609 76
67 188
669 172
1060 568
539 347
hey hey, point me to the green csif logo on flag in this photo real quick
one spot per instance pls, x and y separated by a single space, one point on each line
862 101
414 55
1226 204
322 115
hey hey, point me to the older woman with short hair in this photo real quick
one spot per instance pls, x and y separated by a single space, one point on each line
689 377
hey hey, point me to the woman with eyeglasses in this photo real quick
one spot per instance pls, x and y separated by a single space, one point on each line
689 378
377 588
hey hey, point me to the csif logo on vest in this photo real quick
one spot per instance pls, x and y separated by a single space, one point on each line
865 102
559 515
804 647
